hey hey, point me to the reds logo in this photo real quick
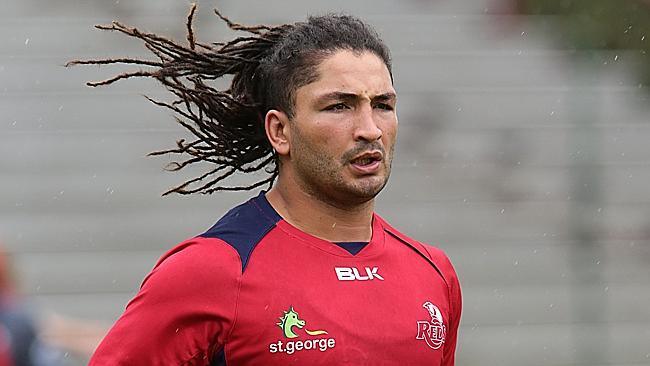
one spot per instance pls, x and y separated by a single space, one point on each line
432 332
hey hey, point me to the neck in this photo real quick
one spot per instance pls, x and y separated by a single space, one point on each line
322 219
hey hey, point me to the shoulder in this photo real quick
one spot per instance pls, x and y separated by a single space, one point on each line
436 256
244 227
226 246
438 259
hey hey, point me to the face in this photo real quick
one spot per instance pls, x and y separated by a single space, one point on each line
343 131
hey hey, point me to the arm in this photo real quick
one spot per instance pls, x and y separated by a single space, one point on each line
455 300
183 311
455 303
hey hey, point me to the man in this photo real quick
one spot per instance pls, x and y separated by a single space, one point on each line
306 273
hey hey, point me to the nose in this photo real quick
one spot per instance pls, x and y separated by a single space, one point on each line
366 127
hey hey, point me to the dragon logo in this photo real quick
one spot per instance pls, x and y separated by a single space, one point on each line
432 332
290 322
290 319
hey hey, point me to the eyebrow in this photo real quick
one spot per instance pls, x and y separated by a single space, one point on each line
354 97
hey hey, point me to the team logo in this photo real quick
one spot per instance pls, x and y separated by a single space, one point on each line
290 320
432 332
292 326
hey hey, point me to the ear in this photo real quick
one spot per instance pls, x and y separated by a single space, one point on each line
278 131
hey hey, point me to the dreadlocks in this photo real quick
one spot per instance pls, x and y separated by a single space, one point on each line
267 66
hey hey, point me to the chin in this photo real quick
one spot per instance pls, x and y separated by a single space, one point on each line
369 189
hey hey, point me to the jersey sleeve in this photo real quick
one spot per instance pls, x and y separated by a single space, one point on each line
183 311
455 303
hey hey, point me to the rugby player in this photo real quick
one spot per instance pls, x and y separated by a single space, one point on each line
304 273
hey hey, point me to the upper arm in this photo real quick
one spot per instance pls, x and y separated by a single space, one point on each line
455 303
183 311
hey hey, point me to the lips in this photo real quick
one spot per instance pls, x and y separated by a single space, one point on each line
367 163
367 158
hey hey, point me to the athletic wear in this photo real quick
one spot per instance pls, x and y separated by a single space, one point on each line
352 247
255 290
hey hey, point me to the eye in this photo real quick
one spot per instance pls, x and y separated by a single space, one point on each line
384 106
336 107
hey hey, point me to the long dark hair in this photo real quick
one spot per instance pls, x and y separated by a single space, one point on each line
267 65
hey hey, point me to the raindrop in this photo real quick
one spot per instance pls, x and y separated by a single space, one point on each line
27 41
516 263
503 210
551 305
552 113
643 38
600 209
606 288
616 58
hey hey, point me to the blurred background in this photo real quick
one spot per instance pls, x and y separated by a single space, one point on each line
524 153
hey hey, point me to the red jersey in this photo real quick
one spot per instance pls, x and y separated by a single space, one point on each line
255 290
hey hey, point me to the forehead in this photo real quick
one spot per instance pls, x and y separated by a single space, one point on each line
350 72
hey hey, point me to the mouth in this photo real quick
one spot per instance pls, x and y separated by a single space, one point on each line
367 163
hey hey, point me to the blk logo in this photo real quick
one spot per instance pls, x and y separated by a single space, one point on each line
353 274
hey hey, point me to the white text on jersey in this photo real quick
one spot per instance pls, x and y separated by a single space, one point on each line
352 274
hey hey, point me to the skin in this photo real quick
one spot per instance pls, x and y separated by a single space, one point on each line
348 111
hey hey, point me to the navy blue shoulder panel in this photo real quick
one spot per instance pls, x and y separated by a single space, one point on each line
245 225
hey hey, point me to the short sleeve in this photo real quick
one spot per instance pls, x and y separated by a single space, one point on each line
455 303
183 311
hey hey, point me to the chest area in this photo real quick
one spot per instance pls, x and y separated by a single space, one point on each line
310 307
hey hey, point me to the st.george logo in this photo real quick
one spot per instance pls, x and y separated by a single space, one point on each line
291 325
433 332
353 274
290 319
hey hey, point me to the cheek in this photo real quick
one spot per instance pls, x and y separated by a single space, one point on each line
389 130
331 132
